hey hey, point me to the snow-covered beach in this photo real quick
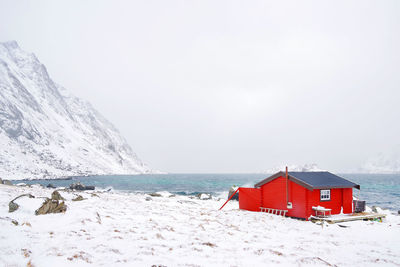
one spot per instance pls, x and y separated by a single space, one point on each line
131 229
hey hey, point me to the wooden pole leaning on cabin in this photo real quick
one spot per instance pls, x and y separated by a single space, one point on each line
287 188
229 199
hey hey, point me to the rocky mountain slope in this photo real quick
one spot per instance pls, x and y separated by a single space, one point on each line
45 132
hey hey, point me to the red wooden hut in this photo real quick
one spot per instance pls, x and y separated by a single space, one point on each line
297 193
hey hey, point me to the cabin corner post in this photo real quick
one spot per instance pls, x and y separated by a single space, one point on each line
287 187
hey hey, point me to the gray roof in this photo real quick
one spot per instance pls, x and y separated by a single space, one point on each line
313 180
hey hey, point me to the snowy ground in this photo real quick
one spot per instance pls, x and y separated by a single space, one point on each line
121 229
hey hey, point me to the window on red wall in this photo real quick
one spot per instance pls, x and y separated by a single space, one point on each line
325 194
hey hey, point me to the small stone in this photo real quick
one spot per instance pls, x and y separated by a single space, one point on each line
12 206
56 196
148 198
14 222
78 198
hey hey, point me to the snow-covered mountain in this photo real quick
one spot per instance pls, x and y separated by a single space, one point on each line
45 132
388 162
312 167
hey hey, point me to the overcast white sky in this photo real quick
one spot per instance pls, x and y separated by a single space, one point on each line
227 86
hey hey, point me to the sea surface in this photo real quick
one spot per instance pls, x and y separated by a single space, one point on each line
382 190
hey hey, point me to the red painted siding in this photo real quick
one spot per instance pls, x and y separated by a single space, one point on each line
298 197
273 195
249 199
340 198
335 203
347 200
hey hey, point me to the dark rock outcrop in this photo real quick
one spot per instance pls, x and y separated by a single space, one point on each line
80 187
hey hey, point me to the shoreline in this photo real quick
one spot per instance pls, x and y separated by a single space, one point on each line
84 176
121 228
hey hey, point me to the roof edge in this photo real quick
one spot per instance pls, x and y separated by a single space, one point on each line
299 182
268 179
283 174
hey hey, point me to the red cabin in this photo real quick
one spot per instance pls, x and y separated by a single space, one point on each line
298 192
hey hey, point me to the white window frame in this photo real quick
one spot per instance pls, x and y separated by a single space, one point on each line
325 194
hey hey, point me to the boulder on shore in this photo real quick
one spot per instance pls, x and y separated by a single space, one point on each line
51 206
232 191
79 186
51 186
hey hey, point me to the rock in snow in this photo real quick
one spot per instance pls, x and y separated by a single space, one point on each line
45 132
51 206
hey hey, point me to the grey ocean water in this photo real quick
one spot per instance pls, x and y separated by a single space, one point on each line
381 190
